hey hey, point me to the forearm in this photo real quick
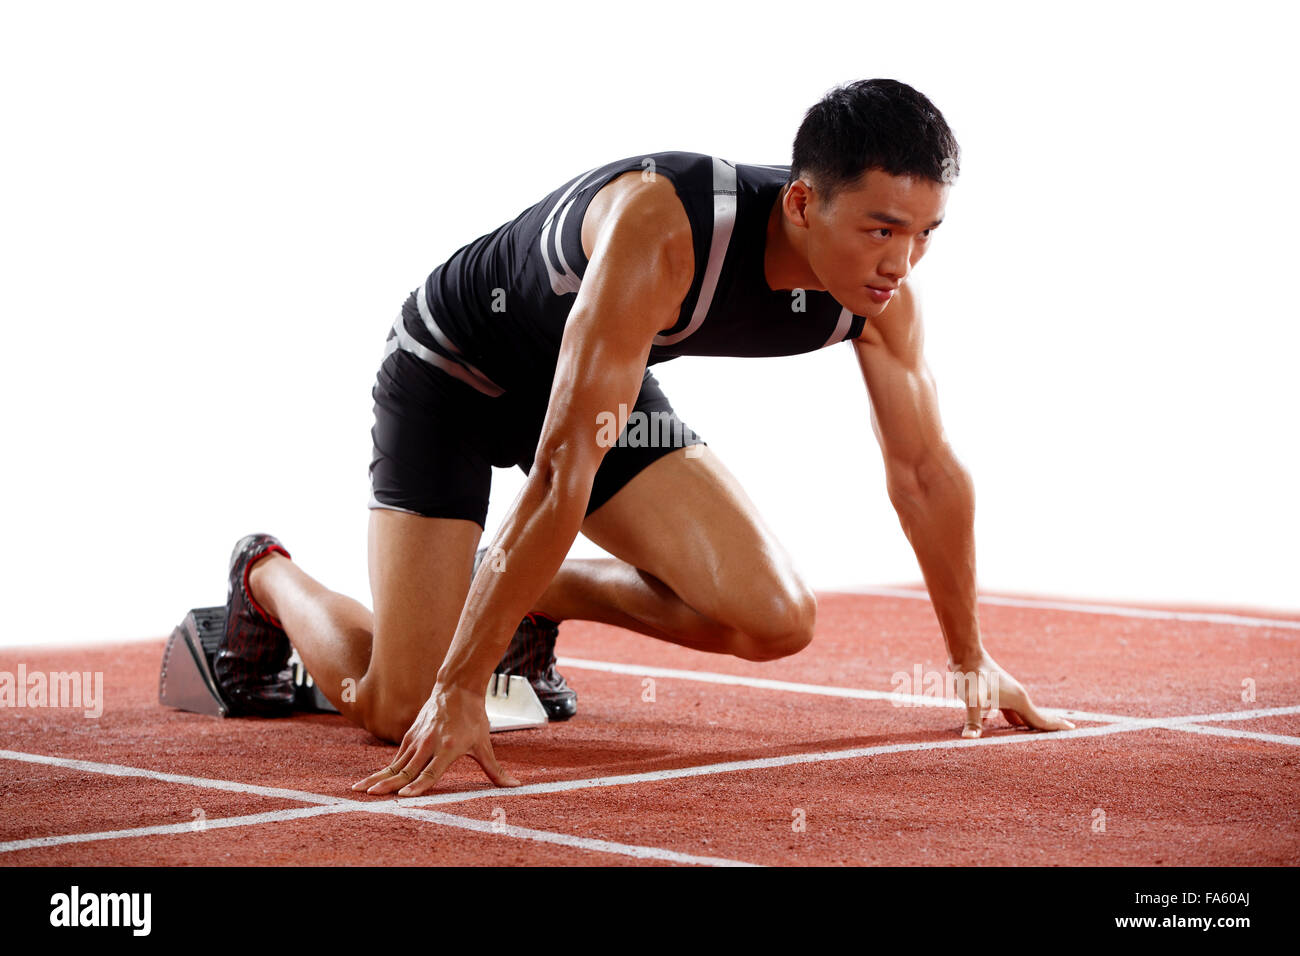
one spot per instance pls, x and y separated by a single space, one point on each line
524 557
936 507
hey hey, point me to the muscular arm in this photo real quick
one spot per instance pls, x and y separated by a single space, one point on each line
931 491
638 275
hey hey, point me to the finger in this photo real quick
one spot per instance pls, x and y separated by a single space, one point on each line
482 752
422 751
974 721
394 781
404 753
428 778
1014 719
1034 719
407 772
1052 722
377 776
374 778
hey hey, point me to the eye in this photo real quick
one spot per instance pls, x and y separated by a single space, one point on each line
880 232
925 233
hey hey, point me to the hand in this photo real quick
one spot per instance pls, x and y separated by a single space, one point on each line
453 722
984 685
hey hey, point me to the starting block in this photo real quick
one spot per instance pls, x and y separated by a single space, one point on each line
188 681
512 704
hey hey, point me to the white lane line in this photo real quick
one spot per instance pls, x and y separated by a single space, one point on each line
1233 715
765 763
403 808
1248 734
1175 723
120 770
857 693
711 677
340 805
1113 610
216 823
822 690
1118 725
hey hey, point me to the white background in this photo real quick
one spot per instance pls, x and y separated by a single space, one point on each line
212 213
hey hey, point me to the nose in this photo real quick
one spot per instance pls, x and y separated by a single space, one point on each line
896 262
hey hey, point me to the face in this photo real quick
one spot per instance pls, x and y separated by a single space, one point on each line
863 245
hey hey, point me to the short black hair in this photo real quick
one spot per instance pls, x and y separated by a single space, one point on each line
873 124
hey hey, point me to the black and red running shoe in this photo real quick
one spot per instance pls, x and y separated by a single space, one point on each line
252 661
532 654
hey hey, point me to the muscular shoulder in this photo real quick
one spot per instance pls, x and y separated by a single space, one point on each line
641 260
898 329
642 211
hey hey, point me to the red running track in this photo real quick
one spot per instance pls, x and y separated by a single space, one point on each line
716 773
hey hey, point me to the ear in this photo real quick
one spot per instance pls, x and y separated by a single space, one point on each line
795 202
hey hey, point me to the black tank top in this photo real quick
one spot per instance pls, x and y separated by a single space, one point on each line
493 314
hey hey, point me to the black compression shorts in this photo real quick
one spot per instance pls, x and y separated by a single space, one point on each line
437 438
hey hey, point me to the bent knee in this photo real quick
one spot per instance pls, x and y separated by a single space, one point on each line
785 626
387 711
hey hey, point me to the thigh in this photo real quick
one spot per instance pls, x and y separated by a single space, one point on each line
653 431
686 520
426 460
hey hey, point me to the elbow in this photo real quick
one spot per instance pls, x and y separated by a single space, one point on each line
939 471
562 475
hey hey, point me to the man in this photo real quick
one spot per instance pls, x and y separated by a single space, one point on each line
519 350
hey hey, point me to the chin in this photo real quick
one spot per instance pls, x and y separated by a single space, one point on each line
861 305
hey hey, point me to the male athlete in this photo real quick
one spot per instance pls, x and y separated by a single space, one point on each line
519 346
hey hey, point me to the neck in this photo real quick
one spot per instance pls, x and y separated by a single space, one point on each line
785 254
